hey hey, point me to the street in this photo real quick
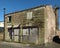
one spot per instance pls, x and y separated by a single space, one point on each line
12 45
19 45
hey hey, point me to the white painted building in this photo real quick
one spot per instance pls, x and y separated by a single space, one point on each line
1 24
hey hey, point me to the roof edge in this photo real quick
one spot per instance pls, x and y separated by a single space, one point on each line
28 9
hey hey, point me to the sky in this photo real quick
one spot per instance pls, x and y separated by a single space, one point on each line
17 5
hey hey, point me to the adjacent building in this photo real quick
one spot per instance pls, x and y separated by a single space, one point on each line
36 25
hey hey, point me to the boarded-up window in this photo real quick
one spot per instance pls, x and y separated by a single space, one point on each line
29 15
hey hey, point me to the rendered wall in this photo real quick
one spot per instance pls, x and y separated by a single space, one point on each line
50 24
42 17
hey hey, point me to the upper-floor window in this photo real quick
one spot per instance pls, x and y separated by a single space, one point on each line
29 15
9 18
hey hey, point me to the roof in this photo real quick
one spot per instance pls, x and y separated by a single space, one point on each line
28 9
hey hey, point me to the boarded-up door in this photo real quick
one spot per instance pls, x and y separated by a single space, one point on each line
33 35
30 35
15 35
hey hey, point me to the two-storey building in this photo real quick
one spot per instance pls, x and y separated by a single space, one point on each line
35 25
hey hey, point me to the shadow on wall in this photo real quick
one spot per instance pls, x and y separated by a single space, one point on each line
56 39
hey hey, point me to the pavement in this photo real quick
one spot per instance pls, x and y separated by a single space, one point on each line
20 45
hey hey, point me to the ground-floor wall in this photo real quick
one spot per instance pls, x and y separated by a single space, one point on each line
1 36
28 35
41 36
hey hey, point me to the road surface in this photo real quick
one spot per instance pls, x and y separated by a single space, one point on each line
18 45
